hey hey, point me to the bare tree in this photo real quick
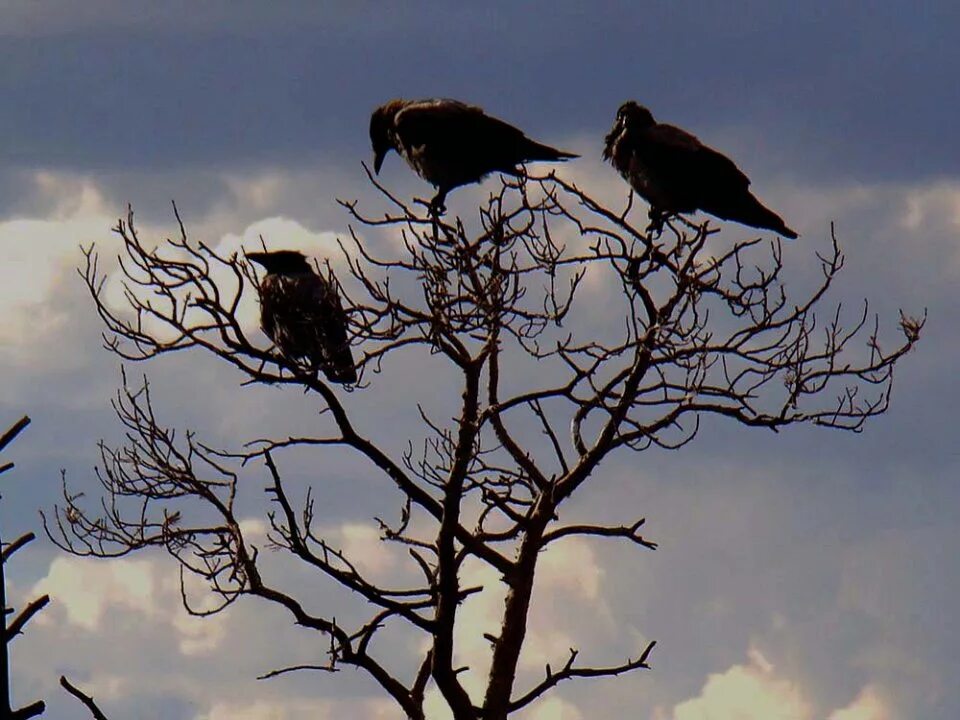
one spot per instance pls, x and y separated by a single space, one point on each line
19 622
15 627
705 330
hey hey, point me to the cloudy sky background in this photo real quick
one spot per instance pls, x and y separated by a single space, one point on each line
804 576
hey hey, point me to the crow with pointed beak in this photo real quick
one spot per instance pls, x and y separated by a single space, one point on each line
301 312
676 173
449 143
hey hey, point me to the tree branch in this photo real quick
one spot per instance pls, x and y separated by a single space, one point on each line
87 700
568 671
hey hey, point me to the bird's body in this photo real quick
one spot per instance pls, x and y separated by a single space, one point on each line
449 143
301 312
676 173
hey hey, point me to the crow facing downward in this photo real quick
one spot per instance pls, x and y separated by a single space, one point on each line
301 312
449 143
676 173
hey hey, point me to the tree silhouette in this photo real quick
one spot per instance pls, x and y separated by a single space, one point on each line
699 329
15 627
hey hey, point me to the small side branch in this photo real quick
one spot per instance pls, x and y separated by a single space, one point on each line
10 435
10 549
32 710
82 697
329 668
25 615
568 671
630 533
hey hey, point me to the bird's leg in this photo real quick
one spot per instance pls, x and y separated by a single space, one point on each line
657 218
437 205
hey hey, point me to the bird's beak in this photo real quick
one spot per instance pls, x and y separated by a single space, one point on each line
378 157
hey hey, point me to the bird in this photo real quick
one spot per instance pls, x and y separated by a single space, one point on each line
449 143
301 312
676 173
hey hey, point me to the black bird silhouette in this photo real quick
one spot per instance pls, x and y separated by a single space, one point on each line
449 143
301 312
676 173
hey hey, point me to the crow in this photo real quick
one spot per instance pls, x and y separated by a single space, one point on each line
676 173
301 312
449 143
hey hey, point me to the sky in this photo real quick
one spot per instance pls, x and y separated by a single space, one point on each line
810 575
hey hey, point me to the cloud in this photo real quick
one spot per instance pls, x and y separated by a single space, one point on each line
868 705
95 596
118 629
362 544
755 691
745 692
61 212
40 253
88 590
933 211
92 594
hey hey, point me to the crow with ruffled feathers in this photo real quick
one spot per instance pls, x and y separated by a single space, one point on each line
449 143
676 173
301 312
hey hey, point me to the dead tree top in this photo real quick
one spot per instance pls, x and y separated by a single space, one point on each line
692 328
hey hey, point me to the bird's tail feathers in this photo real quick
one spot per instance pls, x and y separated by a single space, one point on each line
539 151
339 366
752 212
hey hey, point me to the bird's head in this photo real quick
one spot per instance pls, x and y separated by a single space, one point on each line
630 115
381 131
281 262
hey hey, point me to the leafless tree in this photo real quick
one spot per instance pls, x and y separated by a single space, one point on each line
19 622
705 330
15 627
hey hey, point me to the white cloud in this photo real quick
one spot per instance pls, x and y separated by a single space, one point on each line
745 692
362 545
260 193
91 594
869 705
254 530
40 253
88 590
755 691
571 566
939 200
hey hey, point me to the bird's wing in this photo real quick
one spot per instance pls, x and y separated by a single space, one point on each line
329 326
450 123
329 315
669 146
460 143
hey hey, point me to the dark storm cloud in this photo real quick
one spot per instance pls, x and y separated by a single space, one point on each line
841 90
